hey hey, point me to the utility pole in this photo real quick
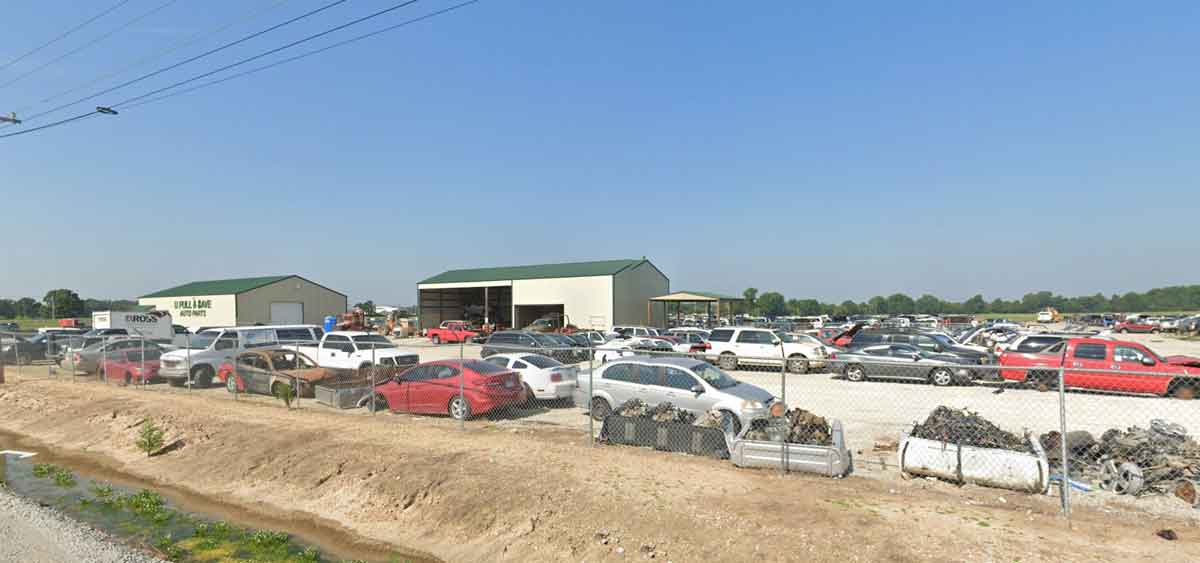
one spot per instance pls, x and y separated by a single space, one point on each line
10 118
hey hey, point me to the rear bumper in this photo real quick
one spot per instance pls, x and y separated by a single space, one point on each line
559 390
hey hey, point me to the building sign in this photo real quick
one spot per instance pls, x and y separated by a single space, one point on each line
192 307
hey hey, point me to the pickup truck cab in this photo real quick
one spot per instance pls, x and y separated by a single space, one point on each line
451 331
1105 365
346 349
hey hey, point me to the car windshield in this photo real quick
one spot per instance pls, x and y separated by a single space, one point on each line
715 377
541 362
789 338
484 368
943 339
372 342
546 340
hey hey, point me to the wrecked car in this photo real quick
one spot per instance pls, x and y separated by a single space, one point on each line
267 371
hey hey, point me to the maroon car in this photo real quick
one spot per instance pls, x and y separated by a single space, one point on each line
128 365
433 388
1136 325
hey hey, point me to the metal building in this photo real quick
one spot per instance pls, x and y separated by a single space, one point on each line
586 294
247 301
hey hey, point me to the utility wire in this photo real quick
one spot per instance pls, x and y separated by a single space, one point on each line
186 61
112 32
64 34
268 53
54 124
301 56
171 49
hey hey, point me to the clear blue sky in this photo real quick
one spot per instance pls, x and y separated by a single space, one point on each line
828 150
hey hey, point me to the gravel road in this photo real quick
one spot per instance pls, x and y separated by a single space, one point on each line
37 534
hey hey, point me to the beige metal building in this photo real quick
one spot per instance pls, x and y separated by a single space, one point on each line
586 294
247 301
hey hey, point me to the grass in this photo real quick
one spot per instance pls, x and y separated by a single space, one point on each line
34 324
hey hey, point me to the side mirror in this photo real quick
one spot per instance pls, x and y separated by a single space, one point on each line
1147 361
698 389
916 357
778 342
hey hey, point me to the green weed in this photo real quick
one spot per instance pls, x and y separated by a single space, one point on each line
150 438
64 478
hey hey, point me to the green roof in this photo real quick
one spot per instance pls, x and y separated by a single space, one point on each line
216 287
567 270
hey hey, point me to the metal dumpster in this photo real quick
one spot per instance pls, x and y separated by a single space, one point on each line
990 467
832 461
342 394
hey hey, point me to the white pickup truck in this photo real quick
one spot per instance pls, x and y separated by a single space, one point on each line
353 350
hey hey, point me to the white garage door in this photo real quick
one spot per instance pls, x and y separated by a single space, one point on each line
287 313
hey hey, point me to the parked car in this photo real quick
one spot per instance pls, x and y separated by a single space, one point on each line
1137 325
622 347
905 361
10 327
451 331
20 350
689 343
633 331
545 378
433 388
590 338
688 383
528 341
689 330
208 349
132 366
357 350
266 370
1121 366
731 347
929 342
88 360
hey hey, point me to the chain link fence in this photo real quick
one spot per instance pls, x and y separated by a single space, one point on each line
1084 419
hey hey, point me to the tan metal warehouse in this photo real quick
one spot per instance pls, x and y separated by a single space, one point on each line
247 301
586 294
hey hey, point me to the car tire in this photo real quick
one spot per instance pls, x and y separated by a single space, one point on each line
1183 391
797 364
202 376
1124 331
856 373
600 409
1041 380
436 340
941 377
728 362
231 384
731 423
529 398
459 408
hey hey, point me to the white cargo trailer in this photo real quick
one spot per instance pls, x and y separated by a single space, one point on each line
152 325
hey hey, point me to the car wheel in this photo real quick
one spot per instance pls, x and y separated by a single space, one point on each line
600 409
1184 392
728 362
436 340
941 377
459 408
1154 331
1124 331
797 364
231 383
856 373
202 376
529 398
731 423
1041 380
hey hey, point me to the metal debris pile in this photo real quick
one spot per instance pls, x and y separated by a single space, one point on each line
965 428
711 419
1162 459
662 412
797 426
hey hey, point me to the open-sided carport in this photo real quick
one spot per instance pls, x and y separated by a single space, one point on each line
681 297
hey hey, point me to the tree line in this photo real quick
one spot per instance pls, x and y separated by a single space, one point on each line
60 304
1174 298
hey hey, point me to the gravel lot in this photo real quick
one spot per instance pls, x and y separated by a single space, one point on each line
37 534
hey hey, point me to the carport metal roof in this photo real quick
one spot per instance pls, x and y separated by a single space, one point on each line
695 297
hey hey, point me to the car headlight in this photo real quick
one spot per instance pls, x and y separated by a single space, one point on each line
753 405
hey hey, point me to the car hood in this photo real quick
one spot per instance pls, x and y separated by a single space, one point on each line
309 375
1190 361
748 392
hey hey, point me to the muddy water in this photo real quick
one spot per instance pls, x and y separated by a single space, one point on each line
328 536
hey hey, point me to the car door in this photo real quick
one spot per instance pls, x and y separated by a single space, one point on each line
1088 356
756 346
399 399
620 381
1137 366
334 351
245 372
902 362
678 384
226 345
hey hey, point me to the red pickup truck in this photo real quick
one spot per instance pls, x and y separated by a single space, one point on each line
1105 365
1136 325
451 331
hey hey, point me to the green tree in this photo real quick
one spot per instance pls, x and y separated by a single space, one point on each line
750 296
27 307
900 304
929 305
848 308
772 304
63 303
368 307
8 309
975 304
877 305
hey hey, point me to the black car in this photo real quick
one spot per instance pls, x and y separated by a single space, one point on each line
20 350
928 342
512 341
11 327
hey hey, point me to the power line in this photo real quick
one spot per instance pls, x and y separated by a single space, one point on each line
186 61
160 54
120 28
270 52
64 34
54 124
301 56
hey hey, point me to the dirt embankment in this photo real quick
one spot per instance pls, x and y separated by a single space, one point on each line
505 492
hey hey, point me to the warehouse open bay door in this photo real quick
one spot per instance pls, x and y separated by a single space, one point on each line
526 314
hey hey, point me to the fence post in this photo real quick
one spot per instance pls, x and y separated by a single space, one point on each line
46 354
1065 483
783 446
296 344
189 358
462 377
142 368
587 397
71 357
374 360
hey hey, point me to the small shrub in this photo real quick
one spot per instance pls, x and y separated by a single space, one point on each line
101 490
43 470
150 438
64 478
285 393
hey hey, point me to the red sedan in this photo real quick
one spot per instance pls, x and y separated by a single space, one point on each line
433 388
127 365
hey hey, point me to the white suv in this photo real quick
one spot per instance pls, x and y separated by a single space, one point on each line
731 347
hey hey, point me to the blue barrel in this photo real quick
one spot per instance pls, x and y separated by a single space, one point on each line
330 323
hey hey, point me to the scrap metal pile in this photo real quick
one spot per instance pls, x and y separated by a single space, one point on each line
797 426
965 428
662 412
1163 459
